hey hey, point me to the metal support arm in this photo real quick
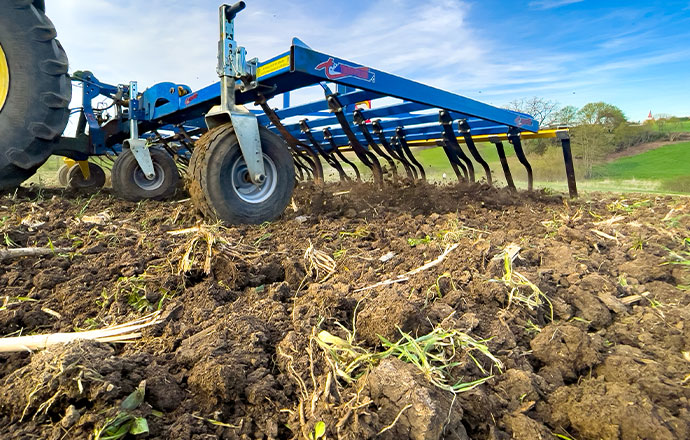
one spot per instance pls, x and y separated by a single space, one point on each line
232 66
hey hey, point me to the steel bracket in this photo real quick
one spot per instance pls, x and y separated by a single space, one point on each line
232 66
138 147
140 150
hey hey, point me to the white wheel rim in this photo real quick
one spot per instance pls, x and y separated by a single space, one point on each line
245 189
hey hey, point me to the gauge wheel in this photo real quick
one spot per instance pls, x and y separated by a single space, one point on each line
76 179
130 182
221 187
62 174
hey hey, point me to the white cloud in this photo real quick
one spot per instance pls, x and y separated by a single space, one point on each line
552 4
439 43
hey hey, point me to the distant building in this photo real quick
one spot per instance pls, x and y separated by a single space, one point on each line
650 117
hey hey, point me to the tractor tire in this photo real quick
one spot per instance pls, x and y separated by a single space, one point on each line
35 90
220 187
76 180
130 183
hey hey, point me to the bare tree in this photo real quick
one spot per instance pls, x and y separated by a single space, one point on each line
542 110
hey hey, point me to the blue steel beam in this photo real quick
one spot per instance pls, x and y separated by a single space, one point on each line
328 68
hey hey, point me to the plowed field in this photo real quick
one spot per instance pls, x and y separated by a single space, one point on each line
420 312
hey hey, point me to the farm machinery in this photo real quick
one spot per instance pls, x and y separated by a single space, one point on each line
241 165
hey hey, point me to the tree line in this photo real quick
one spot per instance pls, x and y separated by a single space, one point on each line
597 129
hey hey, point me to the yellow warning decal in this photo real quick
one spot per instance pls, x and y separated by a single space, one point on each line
273 66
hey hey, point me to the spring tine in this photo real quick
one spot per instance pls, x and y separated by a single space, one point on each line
400 133
298 168
564 137
304 167
361 122
449 136
409 170
454 160
297 147
329 137
504 160
466 133
514 138
186 137
332 161
365 156
395 142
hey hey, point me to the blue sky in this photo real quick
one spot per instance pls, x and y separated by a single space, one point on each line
633 54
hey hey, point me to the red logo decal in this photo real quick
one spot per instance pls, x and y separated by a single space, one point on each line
190 98
524 122
335 71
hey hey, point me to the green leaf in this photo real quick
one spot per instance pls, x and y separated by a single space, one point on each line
135 399
116 434
140 426
319 430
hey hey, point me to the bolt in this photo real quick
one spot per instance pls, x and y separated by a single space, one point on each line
259 179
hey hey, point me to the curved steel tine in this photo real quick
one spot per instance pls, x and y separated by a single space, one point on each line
514 138
465 131
395 141
365 156
364 129
329 137
504 160
400 133
396 154
332 161
449 134
454 160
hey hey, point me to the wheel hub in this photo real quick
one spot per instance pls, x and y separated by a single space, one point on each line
244 187
147 184
4 78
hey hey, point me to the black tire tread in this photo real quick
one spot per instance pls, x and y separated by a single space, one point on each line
199 186
197 164
19 162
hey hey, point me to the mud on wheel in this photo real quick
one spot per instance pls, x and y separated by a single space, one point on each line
221 187
130 182
35 90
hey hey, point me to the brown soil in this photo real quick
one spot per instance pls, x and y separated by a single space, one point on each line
238 345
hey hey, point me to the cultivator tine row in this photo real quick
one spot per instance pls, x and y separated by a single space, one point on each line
397 153
307 162
365 156
329 137
329 157
390 134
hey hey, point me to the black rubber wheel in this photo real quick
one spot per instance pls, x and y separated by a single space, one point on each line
130 183
76 180
220 187
62 174
35 90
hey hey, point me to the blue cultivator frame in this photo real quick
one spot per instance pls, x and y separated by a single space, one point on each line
173 116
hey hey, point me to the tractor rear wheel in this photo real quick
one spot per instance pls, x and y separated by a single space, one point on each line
221 188
35 90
